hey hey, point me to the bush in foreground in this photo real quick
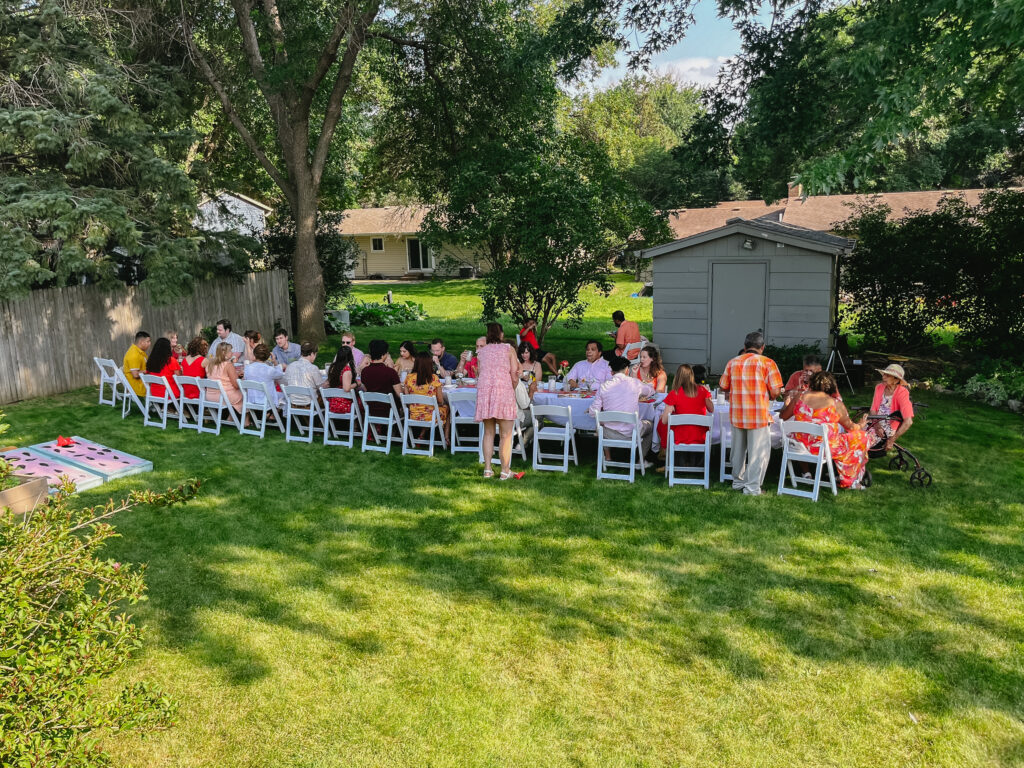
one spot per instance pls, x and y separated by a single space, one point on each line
63 630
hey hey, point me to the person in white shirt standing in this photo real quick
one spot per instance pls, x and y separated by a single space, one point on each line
594 369
226 336
622 393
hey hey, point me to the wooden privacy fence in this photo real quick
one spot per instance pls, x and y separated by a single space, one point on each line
49 338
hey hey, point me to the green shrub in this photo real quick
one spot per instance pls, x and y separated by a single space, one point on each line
996 383
373 313
791 358
63 630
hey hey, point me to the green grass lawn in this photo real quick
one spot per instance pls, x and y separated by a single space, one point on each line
321 607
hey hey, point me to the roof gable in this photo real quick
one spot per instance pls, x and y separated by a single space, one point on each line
763 229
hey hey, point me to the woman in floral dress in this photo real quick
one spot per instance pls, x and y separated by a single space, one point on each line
818 406
496 397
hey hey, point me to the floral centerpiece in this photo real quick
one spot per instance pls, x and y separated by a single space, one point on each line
563 369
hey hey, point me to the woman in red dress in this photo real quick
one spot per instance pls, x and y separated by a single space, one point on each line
341 376
162 362
686 397
192 365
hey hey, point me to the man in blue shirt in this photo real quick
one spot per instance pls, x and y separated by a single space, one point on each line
285 351
445 363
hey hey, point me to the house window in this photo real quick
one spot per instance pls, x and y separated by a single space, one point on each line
376 244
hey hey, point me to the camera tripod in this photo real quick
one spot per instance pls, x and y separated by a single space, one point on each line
836 365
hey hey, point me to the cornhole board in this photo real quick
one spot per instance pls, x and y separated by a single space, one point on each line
98 459
31 463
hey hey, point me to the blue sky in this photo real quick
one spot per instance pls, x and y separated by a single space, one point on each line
698 57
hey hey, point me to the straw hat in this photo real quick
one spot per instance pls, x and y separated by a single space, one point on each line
894 370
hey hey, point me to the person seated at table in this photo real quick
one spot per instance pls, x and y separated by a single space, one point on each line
651 371
849 448
423 381
134 362
528 334
341 375
622 393
220 366
593 369
797 382
193 365
226 336
444 362
380 377
528 364
348 339
304 373
176 349
263 372
284 351
162 362
891 398
251 338
686 398
406 358
469 364
627 332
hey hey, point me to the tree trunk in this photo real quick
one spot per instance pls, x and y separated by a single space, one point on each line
308 277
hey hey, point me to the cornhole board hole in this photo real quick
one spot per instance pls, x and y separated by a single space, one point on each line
98 459
31 463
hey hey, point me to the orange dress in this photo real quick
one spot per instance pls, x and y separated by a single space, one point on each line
849 449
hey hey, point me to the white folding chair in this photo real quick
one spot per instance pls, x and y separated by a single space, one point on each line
412 444
108 378
188 407
128 396
465 443
214 406
259 408
632 443
156 407
518 341
302 405
725 444
376 426
564 434
332 434
676 474
635 362
519 441
794 450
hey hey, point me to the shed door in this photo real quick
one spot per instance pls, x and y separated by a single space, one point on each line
737 307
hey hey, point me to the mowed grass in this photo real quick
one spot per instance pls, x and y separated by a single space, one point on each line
322 607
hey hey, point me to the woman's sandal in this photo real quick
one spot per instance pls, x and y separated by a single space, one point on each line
505 476
488 473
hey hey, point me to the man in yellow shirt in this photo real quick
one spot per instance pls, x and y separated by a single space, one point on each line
135 362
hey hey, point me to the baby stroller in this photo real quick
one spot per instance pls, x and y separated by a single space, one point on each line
920 477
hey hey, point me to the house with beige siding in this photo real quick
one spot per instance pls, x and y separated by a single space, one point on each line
390 245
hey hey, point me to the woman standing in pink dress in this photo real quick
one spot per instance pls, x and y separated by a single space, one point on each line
496 397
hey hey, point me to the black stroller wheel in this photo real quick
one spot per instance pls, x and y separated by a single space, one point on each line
920 478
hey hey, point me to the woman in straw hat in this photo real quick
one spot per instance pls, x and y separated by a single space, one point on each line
892 397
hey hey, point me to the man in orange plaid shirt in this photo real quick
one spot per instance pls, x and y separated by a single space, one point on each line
752 381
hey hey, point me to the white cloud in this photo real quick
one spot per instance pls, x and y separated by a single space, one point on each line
697 70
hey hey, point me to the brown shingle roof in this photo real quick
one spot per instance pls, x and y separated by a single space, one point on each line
823 212
390 220
692 221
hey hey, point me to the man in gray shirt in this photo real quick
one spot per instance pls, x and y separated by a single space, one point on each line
304 373
226 336
285 351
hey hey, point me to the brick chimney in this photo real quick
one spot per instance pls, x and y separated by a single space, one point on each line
795 191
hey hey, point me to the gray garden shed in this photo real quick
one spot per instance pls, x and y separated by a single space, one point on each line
712 288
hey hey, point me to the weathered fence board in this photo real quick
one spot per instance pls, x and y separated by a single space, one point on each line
49 338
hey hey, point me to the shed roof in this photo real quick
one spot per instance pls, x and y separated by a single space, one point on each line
389 220
775 231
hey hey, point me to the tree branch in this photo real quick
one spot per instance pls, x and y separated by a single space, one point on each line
276 30
346 17
251 44
356 39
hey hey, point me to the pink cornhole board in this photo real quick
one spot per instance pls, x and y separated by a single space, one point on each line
31 463
95 458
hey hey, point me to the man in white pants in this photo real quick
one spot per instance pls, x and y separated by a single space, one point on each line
752 381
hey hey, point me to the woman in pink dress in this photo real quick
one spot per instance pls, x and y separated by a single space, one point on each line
221 367
496 397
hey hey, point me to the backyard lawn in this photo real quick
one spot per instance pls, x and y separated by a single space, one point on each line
321 607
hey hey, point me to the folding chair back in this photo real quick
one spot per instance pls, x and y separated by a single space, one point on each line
677 474
725 444
128 396
188 407
214 406
108 379
630 442
794 450
381 428
411 444
333 435
302 406
564 434
465 443
156 406
259 407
